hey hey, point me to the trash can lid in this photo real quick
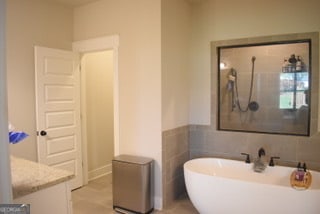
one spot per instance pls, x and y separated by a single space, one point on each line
132 159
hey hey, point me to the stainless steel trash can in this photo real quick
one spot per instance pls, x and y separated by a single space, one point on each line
132 184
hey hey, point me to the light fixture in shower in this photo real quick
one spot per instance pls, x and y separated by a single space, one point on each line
223 65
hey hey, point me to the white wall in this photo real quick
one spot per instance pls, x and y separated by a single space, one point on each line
214 20
98 68
138 25
30 23
175 56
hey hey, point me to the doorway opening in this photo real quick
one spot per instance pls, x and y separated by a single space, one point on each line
97 112
97 46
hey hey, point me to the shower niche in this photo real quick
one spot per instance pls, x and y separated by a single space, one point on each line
264 86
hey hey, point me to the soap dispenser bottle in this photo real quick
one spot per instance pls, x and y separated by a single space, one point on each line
301 178
299 174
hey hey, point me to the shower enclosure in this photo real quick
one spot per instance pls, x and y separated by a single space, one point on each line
265 87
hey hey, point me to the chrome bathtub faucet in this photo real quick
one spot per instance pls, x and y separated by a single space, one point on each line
259 165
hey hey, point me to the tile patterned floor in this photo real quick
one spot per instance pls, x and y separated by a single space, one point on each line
96 197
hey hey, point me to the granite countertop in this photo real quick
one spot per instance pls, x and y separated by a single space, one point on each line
28 176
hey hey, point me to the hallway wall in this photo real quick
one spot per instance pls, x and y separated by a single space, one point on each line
138 24
98 68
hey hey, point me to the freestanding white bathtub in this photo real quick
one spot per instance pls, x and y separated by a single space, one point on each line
221 186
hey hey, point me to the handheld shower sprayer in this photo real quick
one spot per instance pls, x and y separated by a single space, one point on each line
251 105
231 79
232 75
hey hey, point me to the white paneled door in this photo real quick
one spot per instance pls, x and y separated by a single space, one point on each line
57 78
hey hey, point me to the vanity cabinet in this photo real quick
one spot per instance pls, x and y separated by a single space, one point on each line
51 200
45 188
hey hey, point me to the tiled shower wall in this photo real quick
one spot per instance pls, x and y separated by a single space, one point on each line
266 81
175 152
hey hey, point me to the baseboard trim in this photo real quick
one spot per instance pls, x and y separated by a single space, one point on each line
99 172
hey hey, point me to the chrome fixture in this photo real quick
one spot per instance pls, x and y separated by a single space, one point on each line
259 165
261 152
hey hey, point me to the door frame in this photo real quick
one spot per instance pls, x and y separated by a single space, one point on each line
95 45
5 168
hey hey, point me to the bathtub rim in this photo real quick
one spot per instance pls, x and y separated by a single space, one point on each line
284 184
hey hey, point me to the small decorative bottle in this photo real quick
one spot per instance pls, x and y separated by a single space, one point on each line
292 60
299 64
285 65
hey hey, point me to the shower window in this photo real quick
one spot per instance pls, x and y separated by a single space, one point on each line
294 90
265 87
